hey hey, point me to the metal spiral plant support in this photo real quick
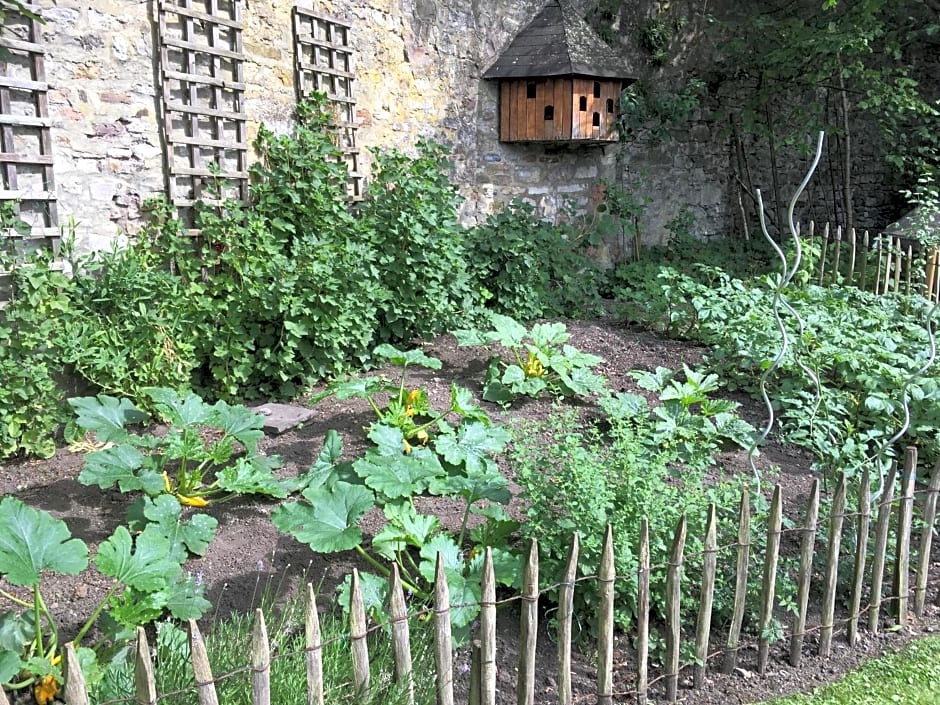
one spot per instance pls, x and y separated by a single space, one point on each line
779 301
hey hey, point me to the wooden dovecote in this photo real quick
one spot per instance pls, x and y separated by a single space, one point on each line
559 81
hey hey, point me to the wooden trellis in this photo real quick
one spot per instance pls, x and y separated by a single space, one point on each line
202 76
323 61
26 160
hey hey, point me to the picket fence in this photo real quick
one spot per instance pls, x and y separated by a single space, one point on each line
882 264
868 595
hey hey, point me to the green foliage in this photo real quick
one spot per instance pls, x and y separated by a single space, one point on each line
528 268
31 404
457 462
863 348
541 361
208 451
578 479
147 579
409 220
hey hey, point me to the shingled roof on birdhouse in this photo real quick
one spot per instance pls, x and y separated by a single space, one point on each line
559 81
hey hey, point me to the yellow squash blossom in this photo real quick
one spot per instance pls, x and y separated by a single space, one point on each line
533 366
407 446
45 689
166 483
422 436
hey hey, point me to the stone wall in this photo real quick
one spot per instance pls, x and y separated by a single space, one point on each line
419 64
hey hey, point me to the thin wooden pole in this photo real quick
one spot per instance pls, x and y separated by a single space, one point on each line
401 635
443 649
643 614
314 649
822 256
836 519
926 539
704 624
205 683
359 647
145 687
768 588
528 628
488 631
898 266
902 560
862 275
606 573
474 688
740 588
807 548
673 603
880 244
565 619
881 546
3 697
837 255
853 254
260 661
861 555
74 690
908 266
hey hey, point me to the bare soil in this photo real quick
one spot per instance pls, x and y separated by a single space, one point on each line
249 552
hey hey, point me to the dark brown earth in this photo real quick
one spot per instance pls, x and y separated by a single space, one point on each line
248 551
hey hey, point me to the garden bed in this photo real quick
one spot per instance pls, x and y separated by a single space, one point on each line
249 556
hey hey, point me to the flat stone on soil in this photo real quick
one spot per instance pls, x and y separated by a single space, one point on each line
279 418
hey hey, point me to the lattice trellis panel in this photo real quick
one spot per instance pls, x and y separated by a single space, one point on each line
26 159
323 61
202 75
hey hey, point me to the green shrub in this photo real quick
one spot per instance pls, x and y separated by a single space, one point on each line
409 220
31 399
528 268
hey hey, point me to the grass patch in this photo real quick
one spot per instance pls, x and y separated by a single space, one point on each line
228 643
910 676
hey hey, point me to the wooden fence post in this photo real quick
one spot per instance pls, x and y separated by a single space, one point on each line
926 539
807 548
704 624
565 619
260 661
605 621
836 519
768 588
488 631
314 649
643 614
357 637
145 687
74 691
401 635
861 555
740 589
673 604
902 562
443 649
528 628
205 683
881 547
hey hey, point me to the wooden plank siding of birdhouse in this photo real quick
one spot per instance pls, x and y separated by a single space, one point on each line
594 122
522 115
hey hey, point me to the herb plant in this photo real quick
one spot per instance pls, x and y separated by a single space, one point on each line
540 361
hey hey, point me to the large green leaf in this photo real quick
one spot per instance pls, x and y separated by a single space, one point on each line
401 358
32 541
240 422
474 444
117 465
507 331
185 599
327 524
327 468
145 564
186 409
246 476
191 536
405 528
396 476
548 335
106 416
361 387
582 382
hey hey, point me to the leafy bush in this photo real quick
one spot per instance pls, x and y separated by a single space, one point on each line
528 268
31 400
578 479
409 220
